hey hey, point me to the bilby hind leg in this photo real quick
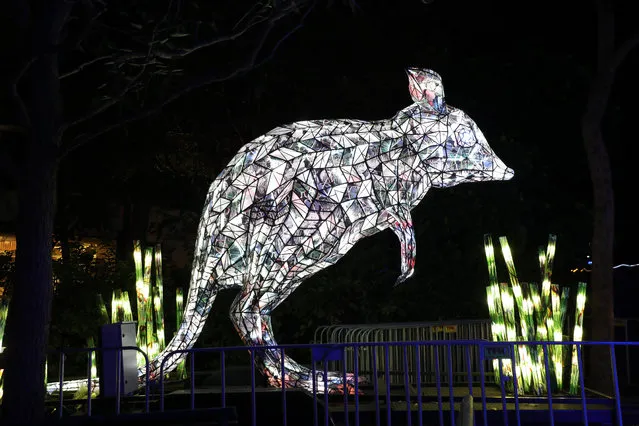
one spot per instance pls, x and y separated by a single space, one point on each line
251 314
253 323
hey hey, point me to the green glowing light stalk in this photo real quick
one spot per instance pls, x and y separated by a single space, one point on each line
524 306
104 314
142 292
121 307
94 364
547 271
127 312
539 313
490 259
498 327
158 298
556 351
151 338
577 336
179 310
116 310
4 309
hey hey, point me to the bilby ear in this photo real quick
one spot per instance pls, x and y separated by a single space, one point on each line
426 88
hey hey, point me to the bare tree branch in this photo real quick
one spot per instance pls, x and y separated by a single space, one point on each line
84 65
179 53
606 32
623 50
106 104
152 54
251 63
23 115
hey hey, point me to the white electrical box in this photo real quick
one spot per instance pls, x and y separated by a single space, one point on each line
113 337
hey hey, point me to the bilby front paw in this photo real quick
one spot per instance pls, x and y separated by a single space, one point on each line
403 277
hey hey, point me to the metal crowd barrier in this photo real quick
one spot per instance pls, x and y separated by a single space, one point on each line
382 403
403 332
91 382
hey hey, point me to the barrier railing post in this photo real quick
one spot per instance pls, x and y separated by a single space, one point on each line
89 381
376 387
387 377
584 404
451 393
513 360
407 387
615 383
482 383
356 374
420 413
469 372
438 384
118 380
345 385
325 380
502 385
283 382
551 415
61 380
253 410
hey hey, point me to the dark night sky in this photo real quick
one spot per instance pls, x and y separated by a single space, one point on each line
519 69
521 72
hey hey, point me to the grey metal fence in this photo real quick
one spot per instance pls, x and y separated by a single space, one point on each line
372 360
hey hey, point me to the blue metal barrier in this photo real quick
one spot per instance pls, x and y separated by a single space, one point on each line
92 382
380 402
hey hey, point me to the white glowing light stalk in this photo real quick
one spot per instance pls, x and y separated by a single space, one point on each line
577 336
158 297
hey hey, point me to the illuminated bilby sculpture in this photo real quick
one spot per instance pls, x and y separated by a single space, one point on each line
295 200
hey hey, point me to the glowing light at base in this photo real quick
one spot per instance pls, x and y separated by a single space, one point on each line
295 200
541 317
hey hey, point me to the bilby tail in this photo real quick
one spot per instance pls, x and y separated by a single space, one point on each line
202 291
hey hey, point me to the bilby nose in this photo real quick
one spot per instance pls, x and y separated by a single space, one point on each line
508 174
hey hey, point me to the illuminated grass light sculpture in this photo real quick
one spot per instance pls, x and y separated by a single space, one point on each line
150 335
521 313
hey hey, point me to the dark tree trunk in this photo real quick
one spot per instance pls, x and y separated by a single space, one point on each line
601 276
601 301
124 247
29 316
62 219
